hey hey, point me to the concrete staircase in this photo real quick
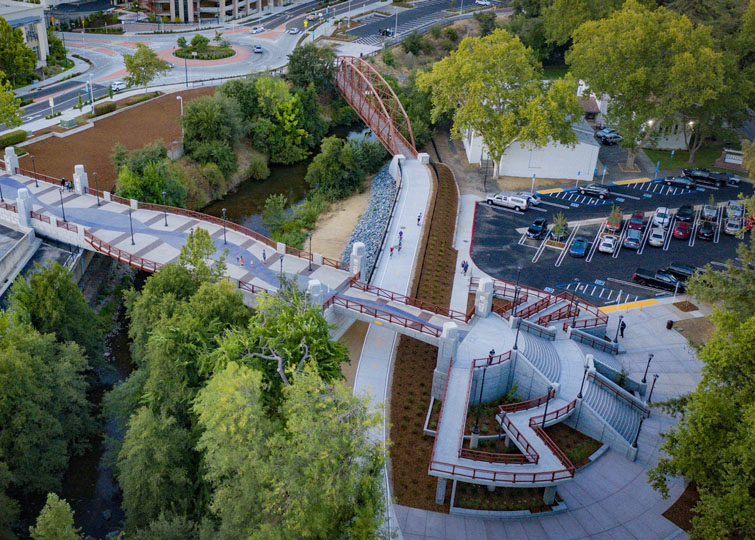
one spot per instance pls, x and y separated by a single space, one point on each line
615 411
541 354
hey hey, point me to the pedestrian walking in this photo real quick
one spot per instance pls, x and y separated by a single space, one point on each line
466 267
241 261
264 257
419 219
622 326
399 246
463 271
391 251
237 260
400 235
62 182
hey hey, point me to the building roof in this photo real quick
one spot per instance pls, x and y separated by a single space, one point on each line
20 13
585 134
590 105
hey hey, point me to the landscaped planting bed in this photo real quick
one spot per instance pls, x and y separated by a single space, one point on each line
488 410
577 446
476 497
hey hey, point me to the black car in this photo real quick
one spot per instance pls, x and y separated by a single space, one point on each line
685 213
660 280
387 32
712 178
680 271
680 181
595 190
538 228
706 230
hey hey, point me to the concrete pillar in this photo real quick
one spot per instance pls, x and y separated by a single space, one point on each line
440 491
423 158
513 322
491 488
549 496
358 260
108 195
317 259
632 453
134 204
24 206
11 160
80 180
474 441
484 297
281 248
507 441
448 344
314 289
393 168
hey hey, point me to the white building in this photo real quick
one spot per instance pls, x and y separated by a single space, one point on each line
31 19
554 160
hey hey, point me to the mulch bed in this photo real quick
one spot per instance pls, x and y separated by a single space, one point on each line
477 497
680 513
147 123
685 306
577 446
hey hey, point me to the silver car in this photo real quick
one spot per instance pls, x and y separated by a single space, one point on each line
608 244
657 237
733 226
532 198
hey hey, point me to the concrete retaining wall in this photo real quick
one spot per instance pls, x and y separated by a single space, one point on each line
538 330
610 347
497 379
609 373
19 251
530 382
587 421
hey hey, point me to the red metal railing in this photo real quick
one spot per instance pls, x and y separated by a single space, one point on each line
535 329
553 415
493 457
11 207
533 308
563 458
595 342
96 192
39 217
487 361
643 410
524 405
123 256
40 177
474 473
414 302
564 312
382 315
249 287
505 288
67 226
528 449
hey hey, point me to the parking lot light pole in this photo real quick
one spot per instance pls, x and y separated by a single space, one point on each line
618 326
645 376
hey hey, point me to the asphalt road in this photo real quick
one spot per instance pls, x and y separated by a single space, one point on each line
499 249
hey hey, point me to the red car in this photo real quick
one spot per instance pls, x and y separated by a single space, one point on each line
637 220
681 230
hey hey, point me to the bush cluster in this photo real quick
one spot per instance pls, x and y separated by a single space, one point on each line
14 137
104 108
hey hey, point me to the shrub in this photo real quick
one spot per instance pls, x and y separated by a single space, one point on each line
14 137
451 34
389 59
217 152
412 43
104 108
435 31
258 169
200 43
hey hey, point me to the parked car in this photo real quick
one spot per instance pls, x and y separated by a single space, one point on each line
293 31
734 209
608 138
387 32
508 201
681 230
257 49
706 230
538 228
685 213
680 181
257 30
482 2
608 244
118 86
680 271
605 131
660 280
637 220
704 176
633 239
662 217
558 237
657 237
532 198
709 213
578 247
595 190
733 226
170 65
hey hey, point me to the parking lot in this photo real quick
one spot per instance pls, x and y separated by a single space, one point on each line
500 243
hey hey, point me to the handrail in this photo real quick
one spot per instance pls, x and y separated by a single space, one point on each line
534 328
488 361
39 177
595 342
39 217
563 312
492 457
123 256
383 315
554 415
524 405
10 207
399 181
414 302
249 287
529 450
67 226
474 473
560 454
533 308
443 405
643 410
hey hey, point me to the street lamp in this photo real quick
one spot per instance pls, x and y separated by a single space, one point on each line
310 251
575 305
96 191
513 314
186 67
181 99
637 436
131 224
584 376
60 190
1 194
165 208
618 327
476 429
34 167
645 376
547 400
652 387
224 239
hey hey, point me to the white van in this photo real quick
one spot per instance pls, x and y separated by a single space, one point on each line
508 200
118 86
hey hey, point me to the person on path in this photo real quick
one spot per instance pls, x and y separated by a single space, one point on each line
419 219
622 326
62 182
400 235
399 246
264 257
391 251
463 267
241 261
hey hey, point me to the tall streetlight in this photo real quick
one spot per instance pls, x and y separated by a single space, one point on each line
131 224
34 167
584 376
476 429
637 436
1 194
575 305
186 67
516 297
547 400
60 190
618 327
225 242
652 387
165 208
310 251
96 191
181 99
645 376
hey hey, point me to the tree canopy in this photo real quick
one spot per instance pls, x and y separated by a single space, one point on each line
55 521
493 86
312 64
17 60
143 66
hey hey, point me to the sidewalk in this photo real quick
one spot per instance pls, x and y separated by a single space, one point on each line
29 90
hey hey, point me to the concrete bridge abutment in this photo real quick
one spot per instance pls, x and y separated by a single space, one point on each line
448 345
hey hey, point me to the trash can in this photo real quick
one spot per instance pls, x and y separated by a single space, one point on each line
669 324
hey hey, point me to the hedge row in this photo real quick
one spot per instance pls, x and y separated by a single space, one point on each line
14 137
104 108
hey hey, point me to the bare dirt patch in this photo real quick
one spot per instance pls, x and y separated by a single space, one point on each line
685 306
577 446
354 340
518 183
134 128
334 227
698 331
680 513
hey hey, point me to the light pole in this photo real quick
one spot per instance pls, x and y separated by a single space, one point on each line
618 327
476 429
584 377
637 436
461 8
645 376
186 67
547 400
181 99
60 190
1 194
395 30
131 224
310 251
96 191
225 242
33 166
652 387
165 208
575 304
513 314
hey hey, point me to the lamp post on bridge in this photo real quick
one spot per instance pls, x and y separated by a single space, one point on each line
131 224
60 190
618 327
584 376
310 251
165 209
645 376
225 242
513 314
96 190
637 436
476 429
652 387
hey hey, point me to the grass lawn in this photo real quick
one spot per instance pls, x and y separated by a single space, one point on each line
703 158
555 72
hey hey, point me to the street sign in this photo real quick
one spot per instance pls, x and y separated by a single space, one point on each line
574 205
51 101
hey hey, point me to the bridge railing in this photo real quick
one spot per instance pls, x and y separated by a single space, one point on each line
524 405
554 415
486 475
40 177
488 361
67 225
382 315
564 312
39 217
120 255
11 207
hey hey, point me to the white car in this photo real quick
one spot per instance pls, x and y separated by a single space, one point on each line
657 237
733 226
482 2
118 86
662 217
257 30
293 31
608 244
532 198
508 201
734 210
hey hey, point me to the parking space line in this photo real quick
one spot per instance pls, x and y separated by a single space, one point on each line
549 191
632 182
595 242
541 247
629 196
555 204
695 220
566 247
645 237
536 209
669 234
622 237
717 230
633 284
523 238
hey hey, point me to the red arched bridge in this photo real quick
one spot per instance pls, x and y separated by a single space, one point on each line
375 102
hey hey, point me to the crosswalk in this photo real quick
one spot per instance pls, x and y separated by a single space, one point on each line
597 289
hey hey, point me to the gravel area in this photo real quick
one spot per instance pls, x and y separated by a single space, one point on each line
375 219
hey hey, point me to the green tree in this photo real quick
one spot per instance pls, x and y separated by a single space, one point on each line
57 52
563 17
156 178
169 527
143 66
312 120
200 43
526 21
486 20
137 160
8 104
748 147
244 92
560 225
272 94
181 42
335 171
55 521
312 64
504 98
196 254
412 44
50 301
17 61
9 508
218 153
274 214
652 63
209 119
